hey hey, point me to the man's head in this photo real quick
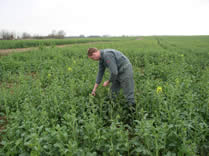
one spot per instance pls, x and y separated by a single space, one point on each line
94 54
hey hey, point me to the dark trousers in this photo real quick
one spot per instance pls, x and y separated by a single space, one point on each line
126 82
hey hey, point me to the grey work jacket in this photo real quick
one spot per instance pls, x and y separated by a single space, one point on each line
114 60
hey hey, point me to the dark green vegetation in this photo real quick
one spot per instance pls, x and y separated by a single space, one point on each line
10 44
44 95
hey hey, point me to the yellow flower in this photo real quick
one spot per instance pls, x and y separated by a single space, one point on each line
69 69
49 75
159 89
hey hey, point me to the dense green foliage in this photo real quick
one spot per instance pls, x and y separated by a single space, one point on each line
5 44
44 95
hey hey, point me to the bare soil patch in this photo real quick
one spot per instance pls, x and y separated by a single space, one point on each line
8 51
139 38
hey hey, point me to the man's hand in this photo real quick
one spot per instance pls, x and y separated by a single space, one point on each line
106 83
93 93
94 90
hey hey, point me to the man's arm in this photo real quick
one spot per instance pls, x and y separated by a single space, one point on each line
99 78
100 73
94 90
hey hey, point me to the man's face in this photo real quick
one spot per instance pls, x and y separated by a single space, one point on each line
95 56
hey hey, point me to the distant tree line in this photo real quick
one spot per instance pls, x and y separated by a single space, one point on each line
59 34
7 35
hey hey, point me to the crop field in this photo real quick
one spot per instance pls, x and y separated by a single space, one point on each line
46 107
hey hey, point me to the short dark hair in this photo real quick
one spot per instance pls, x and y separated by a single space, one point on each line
91 51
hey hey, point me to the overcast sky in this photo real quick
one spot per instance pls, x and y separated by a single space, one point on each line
101 17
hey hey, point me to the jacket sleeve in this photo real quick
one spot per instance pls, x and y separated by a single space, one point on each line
100 73
111 64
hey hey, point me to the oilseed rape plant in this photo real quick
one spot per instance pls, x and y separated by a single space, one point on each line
46 106
159 89
70 69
